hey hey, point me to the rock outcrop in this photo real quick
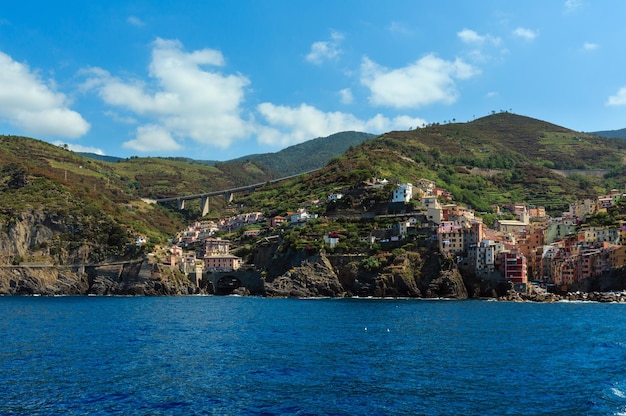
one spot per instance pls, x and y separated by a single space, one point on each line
40 251
406 275
41 281
601 297
140 278
315 277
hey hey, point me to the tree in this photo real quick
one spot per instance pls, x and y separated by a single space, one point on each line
17 175
370 264
435 153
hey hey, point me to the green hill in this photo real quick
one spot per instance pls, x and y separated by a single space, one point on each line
68 205
310 155
495 159
619 134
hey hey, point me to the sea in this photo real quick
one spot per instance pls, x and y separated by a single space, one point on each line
209 355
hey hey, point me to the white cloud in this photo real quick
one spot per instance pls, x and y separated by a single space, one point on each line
492 94
80 149
326 50
471 37
590 46
291 125
572 5
619 98
346 96
381 124
478 43
184 99
119 118
151 137
135 21
30 104
397 27
427 81
526 34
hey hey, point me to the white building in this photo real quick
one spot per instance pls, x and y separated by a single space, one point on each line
402 193
486 256
302 217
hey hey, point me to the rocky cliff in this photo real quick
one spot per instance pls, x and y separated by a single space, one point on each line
140 278
59 237
406 275
314 277
41 251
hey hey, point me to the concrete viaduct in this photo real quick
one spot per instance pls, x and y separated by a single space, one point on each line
228 193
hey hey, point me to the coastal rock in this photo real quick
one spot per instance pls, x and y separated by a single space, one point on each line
315 277
142 278
47 280
448 284
407 274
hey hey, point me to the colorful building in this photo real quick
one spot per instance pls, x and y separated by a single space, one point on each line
217 256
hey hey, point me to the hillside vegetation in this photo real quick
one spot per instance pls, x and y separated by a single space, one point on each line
37 176
496 159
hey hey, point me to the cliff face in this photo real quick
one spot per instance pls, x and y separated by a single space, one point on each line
314 277
30 233
40 251
60 237
408 275
123 279
41 281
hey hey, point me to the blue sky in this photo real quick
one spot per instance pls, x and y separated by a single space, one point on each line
222 79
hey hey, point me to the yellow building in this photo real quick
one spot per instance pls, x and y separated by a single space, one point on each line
617 256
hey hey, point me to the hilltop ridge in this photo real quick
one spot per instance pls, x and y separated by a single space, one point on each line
621 133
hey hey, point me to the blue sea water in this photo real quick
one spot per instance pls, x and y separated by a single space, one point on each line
258 356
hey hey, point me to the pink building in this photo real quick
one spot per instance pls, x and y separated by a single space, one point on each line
455 237
217 255
176 253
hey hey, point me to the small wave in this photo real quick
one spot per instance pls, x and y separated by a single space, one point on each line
618 393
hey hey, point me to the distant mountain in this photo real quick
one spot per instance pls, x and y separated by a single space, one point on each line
619 134
299 158
104 158
310 155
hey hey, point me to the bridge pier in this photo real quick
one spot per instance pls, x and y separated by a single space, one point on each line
228 197
204 205
181 203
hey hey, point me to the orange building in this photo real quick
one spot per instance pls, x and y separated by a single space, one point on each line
617 257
